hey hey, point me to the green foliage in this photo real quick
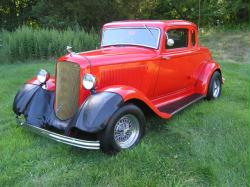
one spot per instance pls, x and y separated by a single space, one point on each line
212 12
25 43
86 14
89 14
63 13
14 13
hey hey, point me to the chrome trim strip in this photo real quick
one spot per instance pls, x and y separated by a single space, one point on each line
64 139
195 100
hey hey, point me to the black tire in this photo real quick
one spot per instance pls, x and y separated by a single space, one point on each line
107 139
216 79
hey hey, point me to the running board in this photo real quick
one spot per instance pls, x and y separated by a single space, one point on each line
179 105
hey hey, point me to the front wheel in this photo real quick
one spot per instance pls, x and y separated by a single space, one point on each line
214 87
124 130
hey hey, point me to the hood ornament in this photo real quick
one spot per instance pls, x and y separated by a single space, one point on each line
69 50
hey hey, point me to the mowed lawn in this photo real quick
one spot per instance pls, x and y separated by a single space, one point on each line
207 144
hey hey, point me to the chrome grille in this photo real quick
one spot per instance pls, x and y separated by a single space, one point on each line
67 89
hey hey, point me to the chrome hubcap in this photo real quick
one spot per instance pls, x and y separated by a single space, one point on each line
126 131
216 88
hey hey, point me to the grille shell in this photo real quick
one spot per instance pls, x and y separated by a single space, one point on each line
67 89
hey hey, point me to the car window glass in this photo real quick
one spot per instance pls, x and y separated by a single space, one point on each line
147 37
193 38
179 36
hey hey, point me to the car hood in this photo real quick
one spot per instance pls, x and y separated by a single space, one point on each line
111 55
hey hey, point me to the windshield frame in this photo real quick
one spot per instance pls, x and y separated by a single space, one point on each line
143 27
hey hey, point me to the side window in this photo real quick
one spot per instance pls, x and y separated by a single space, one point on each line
193 38
176 38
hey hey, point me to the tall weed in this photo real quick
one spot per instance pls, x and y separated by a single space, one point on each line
27 43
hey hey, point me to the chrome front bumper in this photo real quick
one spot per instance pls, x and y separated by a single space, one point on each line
61 138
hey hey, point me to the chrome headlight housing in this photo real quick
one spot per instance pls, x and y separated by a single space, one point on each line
88 81
43 76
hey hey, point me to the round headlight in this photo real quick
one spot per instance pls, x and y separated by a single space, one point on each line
43 76
88 81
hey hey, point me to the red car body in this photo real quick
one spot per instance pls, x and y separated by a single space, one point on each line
164 80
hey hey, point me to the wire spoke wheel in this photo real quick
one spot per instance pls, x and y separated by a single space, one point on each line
126 131
216 88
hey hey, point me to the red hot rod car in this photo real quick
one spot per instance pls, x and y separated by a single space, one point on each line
97 99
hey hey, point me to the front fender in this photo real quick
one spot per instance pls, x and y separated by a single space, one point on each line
36 104
23 97
50 84
96 111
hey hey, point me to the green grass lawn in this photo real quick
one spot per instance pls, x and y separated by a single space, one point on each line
207 144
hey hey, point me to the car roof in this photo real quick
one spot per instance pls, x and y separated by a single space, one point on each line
152 23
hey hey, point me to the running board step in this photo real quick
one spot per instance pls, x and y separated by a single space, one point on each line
179 105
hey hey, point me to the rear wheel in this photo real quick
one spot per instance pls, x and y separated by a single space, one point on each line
124 130
214 88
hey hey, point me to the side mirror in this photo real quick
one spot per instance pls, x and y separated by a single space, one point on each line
170 42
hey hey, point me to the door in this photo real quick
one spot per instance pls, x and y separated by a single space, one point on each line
175 68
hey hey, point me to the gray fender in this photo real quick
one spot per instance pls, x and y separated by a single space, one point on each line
36 104
96 111
23 97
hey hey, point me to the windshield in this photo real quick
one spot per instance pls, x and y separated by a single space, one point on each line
145 36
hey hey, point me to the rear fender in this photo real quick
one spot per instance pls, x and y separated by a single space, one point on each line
205 75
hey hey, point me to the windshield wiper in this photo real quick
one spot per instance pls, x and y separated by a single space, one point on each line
150 32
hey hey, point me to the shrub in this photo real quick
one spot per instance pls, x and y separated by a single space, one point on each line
27 43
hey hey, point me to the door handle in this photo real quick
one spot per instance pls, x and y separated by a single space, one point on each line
166 57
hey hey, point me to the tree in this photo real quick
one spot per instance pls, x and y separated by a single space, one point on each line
63 13
15 12
94 13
